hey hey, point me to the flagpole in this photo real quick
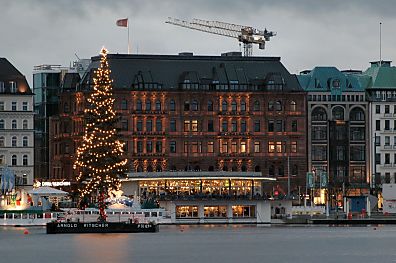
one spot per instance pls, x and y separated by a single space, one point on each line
128 35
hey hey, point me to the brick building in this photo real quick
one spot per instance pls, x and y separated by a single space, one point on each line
185 112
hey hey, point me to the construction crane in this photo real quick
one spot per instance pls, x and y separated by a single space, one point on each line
245 34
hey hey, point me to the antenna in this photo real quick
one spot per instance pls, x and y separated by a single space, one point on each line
77 56
380 42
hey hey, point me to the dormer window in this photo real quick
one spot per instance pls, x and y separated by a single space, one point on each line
13 88
336 83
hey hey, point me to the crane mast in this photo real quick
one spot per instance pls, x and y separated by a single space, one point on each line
245 34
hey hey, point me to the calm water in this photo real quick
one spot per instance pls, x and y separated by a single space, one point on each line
205 244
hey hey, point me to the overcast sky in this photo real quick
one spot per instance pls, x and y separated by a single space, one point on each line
341 33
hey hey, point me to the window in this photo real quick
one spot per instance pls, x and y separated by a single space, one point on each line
243 106
224 126
257 125
194 105
387 141
187 126
377 158
124 104
24 160
234 147
279 147
256 147
172 125
377 109
148 105
294 126
338 113
13 106
172 105
186 105
1 124
2 141
224 147
243 147
319 152
158 105
139 146
378 125
387 125
357 114
210 147
243 126
25 141
377 140
1 105
357 153
340 152
14 141
13 87
149 125
196 147
319 114
293 106
210 105
210 126
149 146
1 86
124 125
271 126
172 146
194 125
279 125
256 105
186 147
224 106
13 124
357 133
14 160
158 147
139 126
158 125
234 126
319 133
278 105
234 106
293 147
387 109
139 106
387 158
271 147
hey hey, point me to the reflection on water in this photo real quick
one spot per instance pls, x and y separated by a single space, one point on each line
220 243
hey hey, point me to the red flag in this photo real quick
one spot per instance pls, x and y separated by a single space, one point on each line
122 22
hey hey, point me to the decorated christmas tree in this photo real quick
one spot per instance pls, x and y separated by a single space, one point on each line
99 161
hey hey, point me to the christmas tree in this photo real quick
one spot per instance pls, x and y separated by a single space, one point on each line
99 161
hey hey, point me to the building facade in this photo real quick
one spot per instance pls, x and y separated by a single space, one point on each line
338 134
209 113
16 125
382 97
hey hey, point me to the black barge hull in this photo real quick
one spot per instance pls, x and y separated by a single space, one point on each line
96 227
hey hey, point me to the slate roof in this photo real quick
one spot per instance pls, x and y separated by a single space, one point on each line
9 73
170 71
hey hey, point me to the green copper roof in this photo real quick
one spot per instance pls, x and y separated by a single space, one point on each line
382 77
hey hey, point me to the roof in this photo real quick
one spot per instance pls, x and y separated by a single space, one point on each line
9 73
45 190
332 80
382 76
170 71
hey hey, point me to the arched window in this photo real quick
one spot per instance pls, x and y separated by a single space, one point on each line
224 105
2 141
124 104
234 106
243 105
14 141
1 124
257 168
25 141
194 105
158 168
243 168
256 105
278 105
338 113
25 124
14 160
25 160
139 105
13 124
172 105
319 114
293 106
357 114
158 105
210 105
148 105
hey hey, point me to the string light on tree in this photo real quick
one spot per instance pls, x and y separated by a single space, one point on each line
99 160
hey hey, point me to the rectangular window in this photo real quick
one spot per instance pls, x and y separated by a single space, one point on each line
243 147
149 146
172 146
234 147
387 158
357 153
1 105
124 125
210 147
13 87
210 126
24 106
196 147
270 126
186 147
139 126
186 126
340 150
256 147
172 125
294 126
224 147
387 125
293 147
377 158
387 109
158 125
243 126
158 147
378 125
139 146
257 125
279 147
224 126
234 127
194 125
13 106
319 133
387 141
279 126
319 152
149 125
377 141
271 147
